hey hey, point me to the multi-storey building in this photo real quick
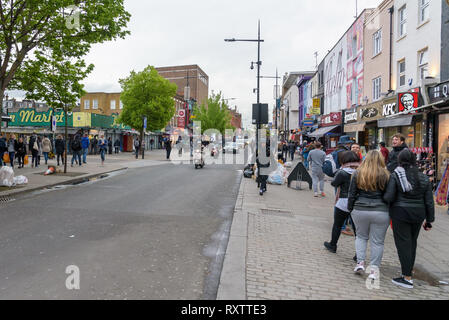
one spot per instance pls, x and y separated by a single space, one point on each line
191 76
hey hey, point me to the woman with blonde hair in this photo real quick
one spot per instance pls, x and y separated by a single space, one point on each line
369 211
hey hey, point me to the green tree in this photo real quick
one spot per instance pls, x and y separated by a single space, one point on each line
147 94
59 83
215 116
57 26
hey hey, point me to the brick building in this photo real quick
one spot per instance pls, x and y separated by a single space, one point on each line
197 79
236 120
101 103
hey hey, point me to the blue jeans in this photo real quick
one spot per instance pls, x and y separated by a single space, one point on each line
76 154
85 151
102 152
45 156
11 158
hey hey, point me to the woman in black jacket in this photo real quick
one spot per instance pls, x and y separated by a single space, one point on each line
20 151
341 181
409 193
60 148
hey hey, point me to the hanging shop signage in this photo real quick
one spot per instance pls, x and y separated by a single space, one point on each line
422 150
316 109
408 101
27 117
351 116
332 119
439 92
181 118
378 110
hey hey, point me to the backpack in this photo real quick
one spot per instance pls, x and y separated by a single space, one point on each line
76 145
329 166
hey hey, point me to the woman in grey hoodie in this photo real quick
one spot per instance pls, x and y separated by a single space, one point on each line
342 181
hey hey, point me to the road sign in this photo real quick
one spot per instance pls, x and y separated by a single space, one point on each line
145 122
53 123
260 113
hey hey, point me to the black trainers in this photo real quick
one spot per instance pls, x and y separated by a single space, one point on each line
330 247
355 258
402 282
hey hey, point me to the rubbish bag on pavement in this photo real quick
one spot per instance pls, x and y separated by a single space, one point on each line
6 176
277 176
20 180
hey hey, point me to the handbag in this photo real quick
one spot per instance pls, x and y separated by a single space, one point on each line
35 146
6 157
25 160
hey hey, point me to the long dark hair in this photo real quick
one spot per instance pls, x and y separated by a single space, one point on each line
407 160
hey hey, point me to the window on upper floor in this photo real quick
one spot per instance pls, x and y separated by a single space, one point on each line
86 104
95 104
402 19
112 104
423 10
377 88
354 47
423 63
377 42
401 73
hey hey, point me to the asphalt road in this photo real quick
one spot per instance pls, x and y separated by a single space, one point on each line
157 232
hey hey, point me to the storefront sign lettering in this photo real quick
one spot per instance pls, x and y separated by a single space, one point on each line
440 92
369 113
331 119
351 117
389 109
29 117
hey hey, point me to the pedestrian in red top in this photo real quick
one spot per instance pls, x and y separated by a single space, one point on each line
384 151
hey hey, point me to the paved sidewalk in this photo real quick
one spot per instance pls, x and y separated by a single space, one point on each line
275 251
114 162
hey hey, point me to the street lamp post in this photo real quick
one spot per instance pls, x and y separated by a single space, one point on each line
258 40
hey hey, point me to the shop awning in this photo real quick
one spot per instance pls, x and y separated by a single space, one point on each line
321 131
354 127
395 121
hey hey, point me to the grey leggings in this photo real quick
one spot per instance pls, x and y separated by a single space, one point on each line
372 226
317 178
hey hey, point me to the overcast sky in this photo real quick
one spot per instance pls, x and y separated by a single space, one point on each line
177 32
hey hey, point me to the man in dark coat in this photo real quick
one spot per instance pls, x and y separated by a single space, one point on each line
59 147
399 144
167 145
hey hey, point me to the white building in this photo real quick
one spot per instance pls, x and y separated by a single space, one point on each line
290 101
416 42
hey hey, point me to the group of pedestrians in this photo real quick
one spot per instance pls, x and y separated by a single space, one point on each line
288 149
383 188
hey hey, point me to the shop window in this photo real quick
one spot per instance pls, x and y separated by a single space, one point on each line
418 134
409 133
443 144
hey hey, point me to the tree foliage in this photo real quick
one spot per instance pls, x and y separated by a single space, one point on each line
54 79
52 25
147 94
215 116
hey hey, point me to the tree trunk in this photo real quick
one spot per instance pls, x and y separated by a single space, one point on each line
2 92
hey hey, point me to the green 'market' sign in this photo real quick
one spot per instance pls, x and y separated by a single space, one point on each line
30 118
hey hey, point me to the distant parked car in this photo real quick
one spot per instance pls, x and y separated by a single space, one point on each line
230 147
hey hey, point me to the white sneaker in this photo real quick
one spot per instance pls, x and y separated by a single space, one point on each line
316 195
374 274
360 268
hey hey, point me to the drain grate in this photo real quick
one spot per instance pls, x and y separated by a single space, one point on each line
277 212
6 199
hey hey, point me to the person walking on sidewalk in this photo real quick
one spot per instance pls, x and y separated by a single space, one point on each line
21 152
117 145
151 144
263 166
167 145
85 145
12 149
76 149
292 149
136 147
103 145
369 211
46 148
59 146
399 144
316 159
39 151
409 193
342 180
384 151
34 147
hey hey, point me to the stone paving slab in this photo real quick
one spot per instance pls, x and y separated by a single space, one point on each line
285 258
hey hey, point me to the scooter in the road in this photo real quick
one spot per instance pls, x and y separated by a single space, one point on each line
198 158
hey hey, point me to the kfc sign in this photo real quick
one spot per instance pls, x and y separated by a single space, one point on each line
408 101
389 109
